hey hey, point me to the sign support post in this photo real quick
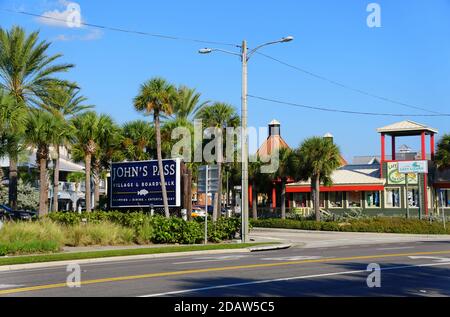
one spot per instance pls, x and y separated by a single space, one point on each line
206 206
442 207
407 197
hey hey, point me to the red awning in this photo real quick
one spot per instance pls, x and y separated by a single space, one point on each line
338 188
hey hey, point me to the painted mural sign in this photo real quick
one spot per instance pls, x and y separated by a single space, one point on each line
137 184
395 177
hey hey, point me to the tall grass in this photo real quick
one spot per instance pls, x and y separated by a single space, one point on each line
47 236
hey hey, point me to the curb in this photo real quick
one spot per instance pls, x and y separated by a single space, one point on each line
270 248
19 267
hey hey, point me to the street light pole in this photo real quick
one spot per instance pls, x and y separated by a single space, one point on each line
244 145
245 56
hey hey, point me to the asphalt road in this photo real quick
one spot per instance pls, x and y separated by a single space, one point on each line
407 269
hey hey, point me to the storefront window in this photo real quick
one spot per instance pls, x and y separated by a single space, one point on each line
354 199
336 199
413 198
373 200
392 198
322 200
301 200
446 194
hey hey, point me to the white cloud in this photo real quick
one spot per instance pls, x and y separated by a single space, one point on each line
91 36
70 17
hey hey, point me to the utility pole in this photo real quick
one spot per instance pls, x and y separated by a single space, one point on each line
244 145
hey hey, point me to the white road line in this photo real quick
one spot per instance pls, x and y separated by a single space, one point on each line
6 286
397 248
289 279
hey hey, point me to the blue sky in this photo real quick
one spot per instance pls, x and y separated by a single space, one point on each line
407 59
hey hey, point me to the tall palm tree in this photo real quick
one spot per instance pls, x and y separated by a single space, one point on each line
443 152
26 72
13 117
157 97
137 140
108 145
187 104
317 158
41 130
87 127
64 103
220 116
287 167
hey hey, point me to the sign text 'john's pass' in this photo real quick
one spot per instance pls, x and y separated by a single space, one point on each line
138 184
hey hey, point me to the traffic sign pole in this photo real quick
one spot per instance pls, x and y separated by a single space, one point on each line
206 206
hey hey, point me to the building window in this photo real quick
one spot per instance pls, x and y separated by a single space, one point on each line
336 199
322 200
392 198
413 197
446 196
373 200
301 200
354 199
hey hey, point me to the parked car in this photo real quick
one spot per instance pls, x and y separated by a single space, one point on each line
198 212
6 213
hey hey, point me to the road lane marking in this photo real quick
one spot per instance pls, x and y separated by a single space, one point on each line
3 286
396 248
286 279
293 258
217 269
434 258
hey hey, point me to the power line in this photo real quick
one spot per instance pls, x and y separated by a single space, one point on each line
115 29
336 83
326 109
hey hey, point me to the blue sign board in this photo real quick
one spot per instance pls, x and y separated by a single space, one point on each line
138 184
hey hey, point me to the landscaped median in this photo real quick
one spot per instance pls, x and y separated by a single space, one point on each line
4 261
377 225
59 230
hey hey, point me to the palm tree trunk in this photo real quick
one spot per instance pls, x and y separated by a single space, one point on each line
87 160
13 183
160 164
255 201
56 181
283 199
43 188
316 190
217 212
96 176
189 193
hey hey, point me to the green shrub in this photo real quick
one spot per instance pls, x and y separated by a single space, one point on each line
104 234
378 224
29 247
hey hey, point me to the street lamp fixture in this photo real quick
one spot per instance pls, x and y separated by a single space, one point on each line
245 57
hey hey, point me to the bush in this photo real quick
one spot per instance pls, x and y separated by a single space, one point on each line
378 224
104 234
17 247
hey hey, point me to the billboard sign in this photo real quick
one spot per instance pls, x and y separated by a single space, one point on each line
408 167
394 177
137 184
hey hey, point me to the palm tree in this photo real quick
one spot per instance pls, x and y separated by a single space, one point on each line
286 168
13 117
41 130
87 129
108 145
64 103
317 158
157 97
187 104
26 72
442 159
137 140
220 116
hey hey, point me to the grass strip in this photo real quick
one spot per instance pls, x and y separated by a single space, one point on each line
115 253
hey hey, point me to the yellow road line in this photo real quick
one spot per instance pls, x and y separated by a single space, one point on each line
218 269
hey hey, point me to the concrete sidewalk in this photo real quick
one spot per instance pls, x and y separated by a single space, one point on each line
321 239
